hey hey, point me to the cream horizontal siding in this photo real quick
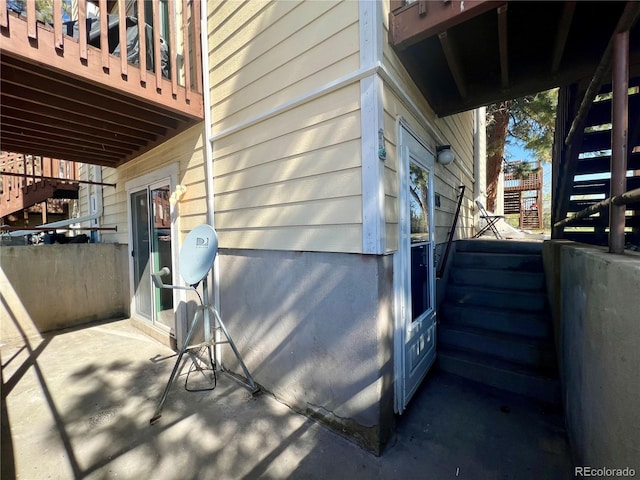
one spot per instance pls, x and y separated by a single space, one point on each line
327 238
321 122
292 181
265 54
187 149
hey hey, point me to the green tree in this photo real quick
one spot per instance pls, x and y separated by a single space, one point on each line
44 9
530 120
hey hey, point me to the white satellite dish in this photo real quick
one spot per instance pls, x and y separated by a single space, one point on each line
197 254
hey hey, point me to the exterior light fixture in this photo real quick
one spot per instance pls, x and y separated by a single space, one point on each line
445 154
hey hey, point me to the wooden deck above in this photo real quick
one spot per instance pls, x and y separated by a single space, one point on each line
65 98
466 54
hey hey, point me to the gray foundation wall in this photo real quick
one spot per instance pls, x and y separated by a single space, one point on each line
315 329
49 287
595 300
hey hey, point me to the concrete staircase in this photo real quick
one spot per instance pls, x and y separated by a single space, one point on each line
495 327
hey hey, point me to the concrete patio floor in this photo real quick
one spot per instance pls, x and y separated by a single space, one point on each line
77 405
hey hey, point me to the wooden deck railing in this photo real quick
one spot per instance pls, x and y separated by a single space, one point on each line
103 58
22 175
518 183
18 171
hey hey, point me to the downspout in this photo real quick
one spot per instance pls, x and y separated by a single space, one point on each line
97 174
214 275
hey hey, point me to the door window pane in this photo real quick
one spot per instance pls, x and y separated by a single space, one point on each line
141 267
161 232
420 246
418 203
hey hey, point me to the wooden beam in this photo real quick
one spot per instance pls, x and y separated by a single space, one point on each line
407 26
503 46
147 110
36 147
73 156
71 126
564 24
71 140
61 116
82 98
73 108
13 138
454 65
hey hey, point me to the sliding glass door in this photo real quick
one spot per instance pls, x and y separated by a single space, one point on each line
152 247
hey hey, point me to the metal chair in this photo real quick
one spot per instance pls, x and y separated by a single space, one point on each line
490 219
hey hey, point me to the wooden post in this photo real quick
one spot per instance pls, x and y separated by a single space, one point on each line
82 28
122 14
186 51
157 57
619 137
43 207
195 20
58 37
173 62
104 34
32 28
4 19
142 39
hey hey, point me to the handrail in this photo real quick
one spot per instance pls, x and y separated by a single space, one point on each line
624 199
10 228
451 233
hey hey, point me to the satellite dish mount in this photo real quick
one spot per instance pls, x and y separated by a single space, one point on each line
197 255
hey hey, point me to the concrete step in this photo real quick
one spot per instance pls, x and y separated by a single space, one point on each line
537 325
539 384
499 261
489 278
517 301
498 246
532 352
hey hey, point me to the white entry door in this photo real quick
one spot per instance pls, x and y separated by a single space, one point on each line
415 323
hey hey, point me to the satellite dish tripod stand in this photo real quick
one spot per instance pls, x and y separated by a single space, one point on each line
205 309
